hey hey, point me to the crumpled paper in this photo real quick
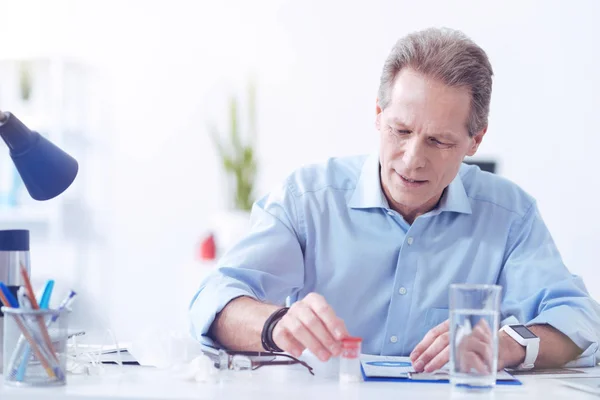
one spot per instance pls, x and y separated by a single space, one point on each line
176 352
164 349
200 369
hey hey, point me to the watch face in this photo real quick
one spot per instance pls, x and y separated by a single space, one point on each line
523 331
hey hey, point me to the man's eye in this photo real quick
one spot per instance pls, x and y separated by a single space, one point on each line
402 131
437 142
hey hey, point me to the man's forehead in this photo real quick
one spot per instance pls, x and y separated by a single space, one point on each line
435 108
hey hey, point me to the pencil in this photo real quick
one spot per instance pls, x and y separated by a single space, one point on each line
35 306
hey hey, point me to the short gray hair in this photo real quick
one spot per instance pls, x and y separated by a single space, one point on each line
446 55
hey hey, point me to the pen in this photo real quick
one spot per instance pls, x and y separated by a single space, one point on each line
45 302
8 299
22 298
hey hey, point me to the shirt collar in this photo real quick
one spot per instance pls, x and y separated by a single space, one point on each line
369 194
455 198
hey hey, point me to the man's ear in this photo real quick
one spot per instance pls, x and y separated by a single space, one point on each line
378 112
476 141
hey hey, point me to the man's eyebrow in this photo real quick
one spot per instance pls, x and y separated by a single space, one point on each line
397 121
447 135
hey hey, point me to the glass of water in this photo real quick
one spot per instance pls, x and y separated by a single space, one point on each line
474 318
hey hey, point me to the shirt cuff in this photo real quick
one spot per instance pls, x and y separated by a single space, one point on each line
575 327
212 297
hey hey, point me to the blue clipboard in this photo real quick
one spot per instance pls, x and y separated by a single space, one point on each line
514 382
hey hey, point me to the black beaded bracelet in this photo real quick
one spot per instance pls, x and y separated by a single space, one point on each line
267 331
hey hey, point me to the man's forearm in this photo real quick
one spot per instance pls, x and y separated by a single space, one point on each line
556 349
239 325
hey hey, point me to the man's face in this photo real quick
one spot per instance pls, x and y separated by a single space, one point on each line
424 139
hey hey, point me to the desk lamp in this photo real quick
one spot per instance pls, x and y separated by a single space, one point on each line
46 170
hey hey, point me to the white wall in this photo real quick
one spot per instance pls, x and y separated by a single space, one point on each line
170 65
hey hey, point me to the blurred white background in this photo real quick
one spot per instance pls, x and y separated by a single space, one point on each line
160 70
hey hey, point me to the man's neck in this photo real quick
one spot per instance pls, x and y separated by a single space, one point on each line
411 214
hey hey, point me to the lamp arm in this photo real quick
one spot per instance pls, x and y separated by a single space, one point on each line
17 136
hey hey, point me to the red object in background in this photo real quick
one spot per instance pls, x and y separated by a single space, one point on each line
208 248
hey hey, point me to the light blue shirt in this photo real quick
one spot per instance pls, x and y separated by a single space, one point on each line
329 229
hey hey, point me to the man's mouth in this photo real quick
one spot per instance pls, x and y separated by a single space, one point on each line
411 181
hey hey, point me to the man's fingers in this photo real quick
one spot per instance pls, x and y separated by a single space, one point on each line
312 323
335 326
470 361
428 340
483 329
293 323
285 341
475 345
315 325
439 344
438 361
483 334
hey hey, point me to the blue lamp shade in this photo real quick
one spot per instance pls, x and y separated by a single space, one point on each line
46 170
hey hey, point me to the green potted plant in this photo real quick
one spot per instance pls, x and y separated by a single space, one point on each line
237 156
25 80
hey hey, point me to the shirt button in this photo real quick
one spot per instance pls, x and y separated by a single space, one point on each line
390 213
394 339
402 290
410 240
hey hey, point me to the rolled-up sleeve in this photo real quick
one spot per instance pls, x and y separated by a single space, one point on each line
267 264
539 289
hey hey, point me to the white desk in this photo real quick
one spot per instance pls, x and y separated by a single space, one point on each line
288 383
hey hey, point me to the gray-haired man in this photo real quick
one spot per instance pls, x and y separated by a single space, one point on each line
368 246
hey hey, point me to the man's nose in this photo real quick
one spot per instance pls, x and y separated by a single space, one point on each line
414 154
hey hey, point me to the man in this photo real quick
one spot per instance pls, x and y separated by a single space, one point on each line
368 246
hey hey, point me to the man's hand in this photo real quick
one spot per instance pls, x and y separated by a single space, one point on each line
475 350
433 351
310 324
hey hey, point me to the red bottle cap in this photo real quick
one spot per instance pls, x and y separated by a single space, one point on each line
351 342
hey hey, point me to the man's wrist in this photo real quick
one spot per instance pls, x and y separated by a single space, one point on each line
268 328
510 353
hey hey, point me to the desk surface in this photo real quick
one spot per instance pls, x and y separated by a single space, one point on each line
287 383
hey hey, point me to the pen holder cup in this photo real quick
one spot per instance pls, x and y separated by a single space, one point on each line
35 347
